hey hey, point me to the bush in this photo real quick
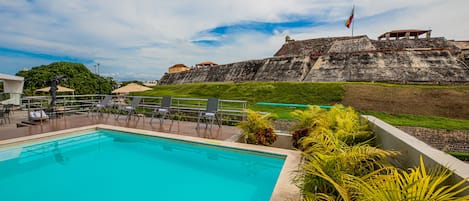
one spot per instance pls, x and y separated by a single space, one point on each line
297 135
416 183
257 129
265 136
345 123
340 164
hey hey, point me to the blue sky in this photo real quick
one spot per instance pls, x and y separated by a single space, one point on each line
140 39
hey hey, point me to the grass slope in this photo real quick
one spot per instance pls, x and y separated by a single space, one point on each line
283 92
253 92
421 121
321 94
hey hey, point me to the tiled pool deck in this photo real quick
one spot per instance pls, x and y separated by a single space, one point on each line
9 131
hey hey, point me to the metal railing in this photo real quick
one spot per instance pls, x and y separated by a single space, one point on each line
187 109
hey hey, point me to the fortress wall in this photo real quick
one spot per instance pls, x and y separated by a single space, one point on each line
312 46
269 69
241 71
190 76
404 66
352 45
344 59
284 69
412 43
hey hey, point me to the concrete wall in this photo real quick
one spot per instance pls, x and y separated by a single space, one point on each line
283 141
391 138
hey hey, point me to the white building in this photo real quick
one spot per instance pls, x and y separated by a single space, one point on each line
12 85
150 83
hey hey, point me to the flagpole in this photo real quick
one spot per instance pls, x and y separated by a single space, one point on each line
353 21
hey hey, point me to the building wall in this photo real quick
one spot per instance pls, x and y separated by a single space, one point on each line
178 69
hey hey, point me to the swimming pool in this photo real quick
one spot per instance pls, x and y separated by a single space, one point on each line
113 165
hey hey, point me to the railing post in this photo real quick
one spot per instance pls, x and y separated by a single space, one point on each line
242 112
220 107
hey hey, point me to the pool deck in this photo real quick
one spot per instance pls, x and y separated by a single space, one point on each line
10 131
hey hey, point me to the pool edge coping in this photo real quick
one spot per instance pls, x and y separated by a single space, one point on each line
284 189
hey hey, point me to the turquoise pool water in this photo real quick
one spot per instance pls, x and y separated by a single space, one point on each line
107 165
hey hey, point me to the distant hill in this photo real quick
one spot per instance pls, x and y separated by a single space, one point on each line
78 77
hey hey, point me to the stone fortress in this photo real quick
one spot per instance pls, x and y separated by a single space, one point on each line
401 56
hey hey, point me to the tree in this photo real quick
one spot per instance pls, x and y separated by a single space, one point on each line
78 77
128 82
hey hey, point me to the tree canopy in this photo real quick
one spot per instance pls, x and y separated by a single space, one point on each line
133 81
77 76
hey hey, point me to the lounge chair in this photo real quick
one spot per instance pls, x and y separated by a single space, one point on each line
210 113
100 106
38 115
163 110
131 109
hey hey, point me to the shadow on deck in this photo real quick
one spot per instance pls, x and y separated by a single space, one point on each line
10 131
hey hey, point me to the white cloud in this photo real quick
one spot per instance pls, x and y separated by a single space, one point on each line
141 39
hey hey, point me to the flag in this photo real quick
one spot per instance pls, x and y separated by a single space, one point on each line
350 19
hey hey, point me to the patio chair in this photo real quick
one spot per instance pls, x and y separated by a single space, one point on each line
210 113
6 112
163 110
2 118
131 109
100 106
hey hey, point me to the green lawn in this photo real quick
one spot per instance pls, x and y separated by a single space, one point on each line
421 121
298 93
253 92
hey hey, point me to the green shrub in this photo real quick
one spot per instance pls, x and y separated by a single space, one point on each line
337 146
257 129
345 123
329 161
414 184
341 164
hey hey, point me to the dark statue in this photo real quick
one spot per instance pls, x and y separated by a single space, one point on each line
53 89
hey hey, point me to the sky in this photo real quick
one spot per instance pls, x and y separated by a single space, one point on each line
140 39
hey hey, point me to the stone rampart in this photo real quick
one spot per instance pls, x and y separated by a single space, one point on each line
435 60
413 44
288 68
311 46
399 66
444 140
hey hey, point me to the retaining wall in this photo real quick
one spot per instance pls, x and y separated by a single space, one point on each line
441 139
411 148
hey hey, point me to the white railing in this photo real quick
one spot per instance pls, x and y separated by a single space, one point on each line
231 111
